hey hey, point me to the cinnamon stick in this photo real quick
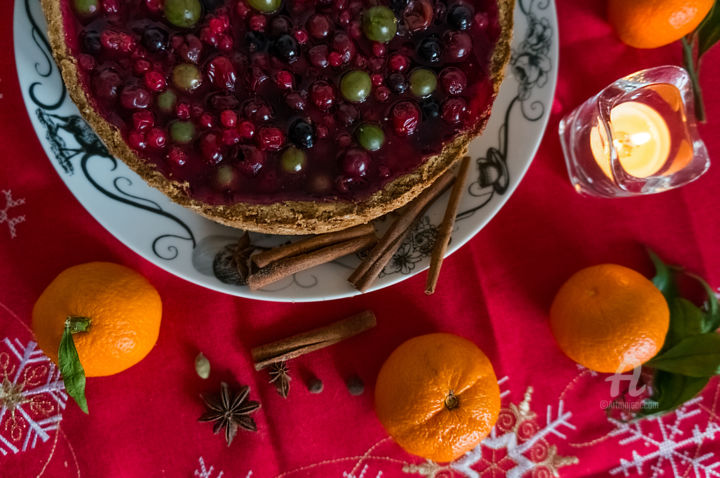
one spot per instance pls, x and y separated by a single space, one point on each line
286 267
316 339
264 258
368 270
445 230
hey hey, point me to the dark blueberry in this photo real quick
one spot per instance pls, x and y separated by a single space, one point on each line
302 134
91 42
256 41
286 47
430 109
155 39
459 16
397 83
430 49
398 6
211 5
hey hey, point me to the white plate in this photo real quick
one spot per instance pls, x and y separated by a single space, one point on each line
185 244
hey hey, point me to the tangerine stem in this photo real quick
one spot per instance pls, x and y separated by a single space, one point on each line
77 324
451 401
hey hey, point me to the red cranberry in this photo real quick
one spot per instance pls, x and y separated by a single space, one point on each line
344 45
405 117
376 79
210 148
453 110
157 138
318 26
355 29
341 4
318 56
257 77
154 6
219 24
398 62
345 17
322 95
270 139
143 120
383 171
335 59
284 79
257 111
347 114
230 137
118 42
280 25
418 15
343 139
182 111
177 156
360 62
458 46
221 72
382 93
155 81
251 160
246 129
356 163
196 111
111 7
228 118
86 62
257 23
453 80
206 121
189 47
376 64
301 36
379 49
225 43
481 20
137 140
222 101
134 97
295 101
106 84
241 9
342 184
141 66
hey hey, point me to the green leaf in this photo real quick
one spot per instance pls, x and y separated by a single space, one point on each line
709 30
712 319
696 356
671 390
71 369
664 277
686 319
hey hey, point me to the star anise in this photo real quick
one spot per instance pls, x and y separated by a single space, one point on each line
232 263
279 376
230 410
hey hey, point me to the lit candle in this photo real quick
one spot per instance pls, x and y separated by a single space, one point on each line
641 138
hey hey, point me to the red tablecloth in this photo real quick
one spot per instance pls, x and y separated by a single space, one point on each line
495 291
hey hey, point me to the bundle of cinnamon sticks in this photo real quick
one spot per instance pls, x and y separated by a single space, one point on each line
284 261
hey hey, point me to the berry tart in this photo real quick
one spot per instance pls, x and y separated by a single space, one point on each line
284 116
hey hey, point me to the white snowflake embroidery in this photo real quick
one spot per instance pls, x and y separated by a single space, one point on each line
669 444
518 438
204 471
32 396
362 473
5 215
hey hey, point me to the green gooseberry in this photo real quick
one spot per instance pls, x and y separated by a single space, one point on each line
293 160
186 76
379 24
225 176
370 136
182 131
422 82
86 8
166 101
183 13
355 86
265 6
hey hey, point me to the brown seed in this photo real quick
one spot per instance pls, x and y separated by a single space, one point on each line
315 385
355 385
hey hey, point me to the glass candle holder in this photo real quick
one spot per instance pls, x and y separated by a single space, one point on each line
637 136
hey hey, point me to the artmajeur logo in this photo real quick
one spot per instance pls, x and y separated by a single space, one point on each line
634 390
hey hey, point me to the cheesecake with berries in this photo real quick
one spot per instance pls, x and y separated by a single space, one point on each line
284 116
